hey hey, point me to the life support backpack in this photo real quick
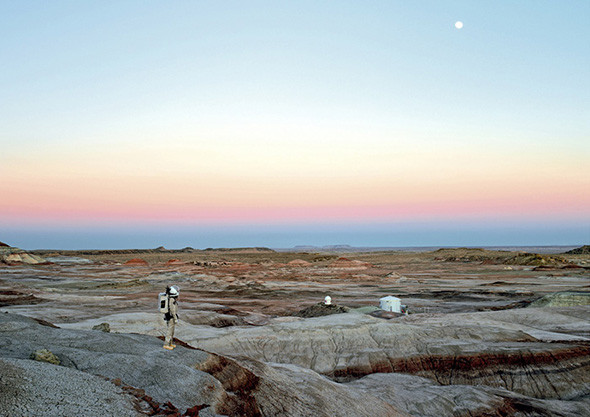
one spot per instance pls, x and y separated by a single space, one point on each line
163 302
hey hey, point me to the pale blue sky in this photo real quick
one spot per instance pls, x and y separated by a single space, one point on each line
503 103
85 71
406 234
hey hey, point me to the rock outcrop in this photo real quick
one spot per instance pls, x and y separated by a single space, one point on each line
490 257
174 262
186 378
504 349
13 297
535 259
37 389
136 262
43 355
346 263
287 390
466 255
563 299
582 250
102 327
321 309
525 362
423 397
298 263
15 256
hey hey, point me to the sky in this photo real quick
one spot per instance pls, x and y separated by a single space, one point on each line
281 123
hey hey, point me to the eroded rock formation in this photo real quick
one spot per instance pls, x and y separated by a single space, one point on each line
498 349
563 299
582 250
136 262
346 263
184 378
15 256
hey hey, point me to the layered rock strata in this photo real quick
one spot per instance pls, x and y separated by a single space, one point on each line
186 378
492 348
15 256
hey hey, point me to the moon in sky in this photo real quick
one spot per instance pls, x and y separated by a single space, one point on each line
458 24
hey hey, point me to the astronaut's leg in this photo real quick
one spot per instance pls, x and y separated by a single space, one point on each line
173 325
169 335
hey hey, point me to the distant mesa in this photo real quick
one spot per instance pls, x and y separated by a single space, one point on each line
136 262
306 248
582 250
337 247
459 250
241 250
326 248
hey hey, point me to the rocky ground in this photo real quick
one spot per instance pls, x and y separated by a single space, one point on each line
491 333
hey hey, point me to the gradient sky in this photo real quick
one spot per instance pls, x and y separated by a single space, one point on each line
277 123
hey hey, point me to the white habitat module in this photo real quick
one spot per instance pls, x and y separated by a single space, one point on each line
163 302
391 303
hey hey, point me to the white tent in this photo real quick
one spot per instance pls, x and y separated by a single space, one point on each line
391 303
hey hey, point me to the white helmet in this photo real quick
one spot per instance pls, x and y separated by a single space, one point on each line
173 291
328 300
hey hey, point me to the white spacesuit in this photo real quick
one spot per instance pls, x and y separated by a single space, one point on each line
171 316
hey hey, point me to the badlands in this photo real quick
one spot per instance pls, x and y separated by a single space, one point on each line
489 333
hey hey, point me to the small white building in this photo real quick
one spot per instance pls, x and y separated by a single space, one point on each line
391 303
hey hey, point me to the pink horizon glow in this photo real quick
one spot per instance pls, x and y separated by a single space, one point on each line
564 208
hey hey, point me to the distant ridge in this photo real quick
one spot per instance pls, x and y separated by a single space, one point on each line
241 250
343 248
542 249
160 249
327 248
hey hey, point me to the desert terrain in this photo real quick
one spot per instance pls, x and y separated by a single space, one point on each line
489 332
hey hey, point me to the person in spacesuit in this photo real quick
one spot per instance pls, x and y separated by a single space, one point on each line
171 316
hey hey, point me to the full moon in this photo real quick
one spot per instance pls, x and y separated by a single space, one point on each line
458 24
